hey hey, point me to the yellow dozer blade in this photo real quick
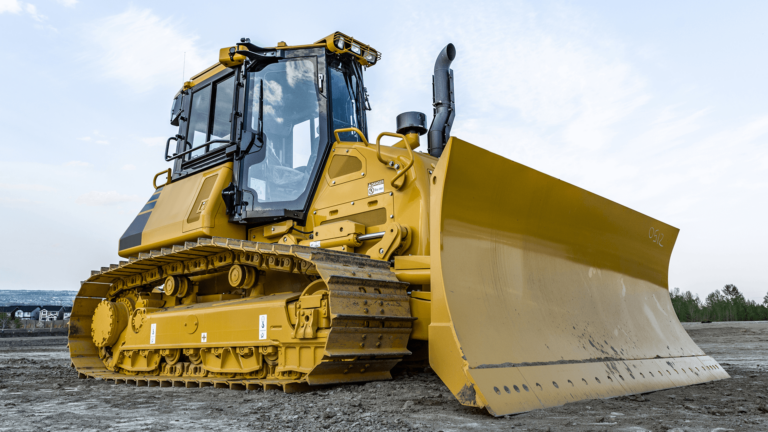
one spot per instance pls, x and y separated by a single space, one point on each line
544 293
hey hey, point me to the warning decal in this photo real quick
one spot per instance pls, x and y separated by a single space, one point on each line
152 332
262 327
376 187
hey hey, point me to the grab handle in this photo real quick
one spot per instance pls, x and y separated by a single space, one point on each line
401 172
350 129
167 180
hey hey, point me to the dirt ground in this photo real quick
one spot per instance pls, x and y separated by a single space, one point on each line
39 391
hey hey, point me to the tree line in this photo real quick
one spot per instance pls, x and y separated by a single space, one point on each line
727 304
7 321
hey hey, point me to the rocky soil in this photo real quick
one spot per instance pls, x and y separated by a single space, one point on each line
40 392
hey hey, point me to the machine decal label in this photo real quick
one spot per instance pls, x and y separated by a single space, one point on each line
262 327
152 332
314 244
376 187
203 337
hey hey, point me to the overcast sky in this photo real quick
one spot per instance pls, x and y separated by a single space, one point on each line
658 105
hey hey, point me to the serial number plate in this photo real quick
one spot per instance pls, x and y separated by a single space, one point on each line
376 187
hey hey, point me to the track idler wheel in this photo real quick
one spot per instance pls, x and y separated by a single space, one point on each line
109 320
176 286
242 276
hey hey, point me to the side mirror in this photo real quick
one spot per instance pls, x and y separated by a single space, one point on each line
176 110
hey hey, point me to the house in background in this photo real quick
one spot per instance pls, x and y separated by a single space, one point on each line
25 312
48 313
67 311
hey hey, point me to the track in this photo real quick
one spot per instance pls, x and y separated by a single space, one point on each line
370 319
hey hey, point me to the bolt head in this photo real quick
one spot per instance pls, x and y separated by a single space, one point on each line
333 182
391 216
362 174
381 251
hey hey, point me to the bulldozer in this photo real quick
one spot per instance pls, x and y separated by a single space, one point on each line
286 250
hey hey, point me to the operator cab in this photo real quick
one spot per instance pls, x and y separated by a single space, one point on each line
272 112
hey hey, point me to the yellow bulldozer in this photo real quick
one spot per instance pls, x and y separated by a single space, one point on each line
284 250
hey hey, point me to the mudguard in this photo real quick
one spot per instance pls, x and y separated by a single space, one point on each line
544 293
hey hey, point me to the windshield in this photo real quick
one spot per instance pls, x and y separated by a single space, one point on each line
280 168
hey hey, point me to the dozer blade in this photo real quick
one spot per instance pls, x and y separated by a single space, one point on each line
544 293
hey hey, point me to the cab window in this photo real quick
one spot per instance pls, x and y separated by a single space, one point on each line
210 116
344 94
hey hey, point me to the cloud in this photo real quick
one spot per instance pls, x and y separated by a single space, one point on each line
67 3
97 141
79 164
128 167
32 11
109 198
151 49
12 6
154 141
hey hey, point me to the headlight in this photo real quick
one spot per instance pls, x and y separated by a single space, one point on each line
370 57
340 43
355 49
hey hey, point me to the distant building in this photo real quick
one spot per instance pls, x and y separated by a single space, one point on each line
25 312
67 311
10 310
48 313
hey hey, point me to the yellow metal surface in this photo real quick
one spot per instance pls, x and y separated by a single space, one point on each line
542 286
182 213
421 309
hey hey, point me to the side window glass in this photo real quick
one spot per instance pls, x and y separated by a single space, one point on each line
222 111
343 92
198 119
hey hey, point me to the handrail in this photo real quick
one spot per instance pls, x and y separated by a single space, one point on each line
167 144
400 173
167 180
350 129
184 153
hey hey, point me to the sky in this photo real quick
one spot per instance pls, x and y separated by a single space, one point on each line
660 106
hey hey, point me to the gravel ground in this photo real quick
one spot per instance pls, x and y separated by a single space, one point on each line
39 391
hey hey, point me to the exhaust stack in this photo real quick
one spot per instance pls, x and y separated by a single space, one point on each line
443 101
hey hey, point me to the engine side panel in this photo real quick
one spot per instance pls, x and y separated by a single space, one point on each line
182 211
